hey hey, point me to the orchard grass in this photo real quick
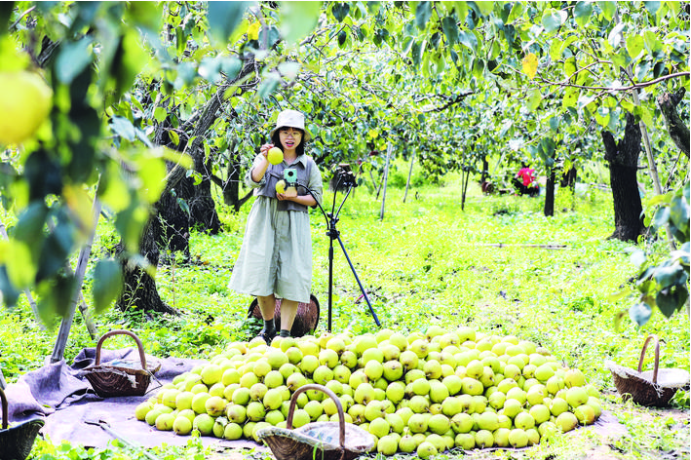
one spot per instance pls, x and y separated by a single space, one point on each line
426 263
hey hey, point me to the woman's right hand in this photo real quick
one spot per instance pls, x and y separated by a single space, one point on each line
264 149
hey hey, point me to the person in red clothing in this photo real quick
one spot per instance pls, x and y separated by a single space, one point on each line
525 181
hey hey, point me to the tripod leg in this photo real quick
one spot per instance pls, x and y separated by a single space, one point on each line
331 282
374 315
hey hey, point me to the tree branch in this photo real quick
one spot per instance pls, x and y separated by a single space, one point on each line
455 101
621 88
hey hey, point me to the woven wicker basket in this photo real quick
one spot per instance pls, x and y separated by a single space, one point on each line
306 319
124 378
649 388
16 442
318 440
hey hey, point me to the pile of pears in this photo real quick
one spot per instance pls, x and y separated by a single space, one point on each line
422 393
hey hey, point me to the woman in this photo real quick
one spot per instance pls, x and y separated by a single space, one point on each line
276 255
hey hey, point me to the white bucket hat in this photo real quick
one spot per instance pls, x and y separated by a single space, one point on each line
292 119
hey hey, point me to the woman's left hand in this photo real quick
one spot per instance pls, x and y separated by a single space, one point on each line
283 197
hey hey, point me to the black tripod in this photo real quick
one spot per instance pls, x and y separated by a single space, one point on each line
347 179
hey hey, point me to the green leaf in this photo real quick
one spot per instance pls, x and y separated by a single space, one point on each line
658 199
602 116
224 17
670 275
55 297
267 87
627 105
582 13
129 224
340 10
555 50
417 52
485 7
209 69
122 127
679 213
671 300
640 313
645 115
450 28
468 39
534 99
298 19
478 67
569 67
152 172
73 59
112 190
174 137
145 14
133 60
634 45
29 228
160 115
553 19
517 9
652 7
9 293
608 9
422 14
570 98
107 285
661 217
462 10
21 269
651 41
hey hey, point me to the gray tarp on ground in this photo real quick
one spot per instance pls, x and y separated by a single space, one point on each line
66 400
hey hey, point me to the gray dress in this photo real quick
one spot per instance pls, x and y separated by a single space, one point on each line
276 253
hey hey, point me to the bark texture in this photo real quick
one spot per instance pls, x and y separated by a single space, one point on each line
139 287
678 131
622 158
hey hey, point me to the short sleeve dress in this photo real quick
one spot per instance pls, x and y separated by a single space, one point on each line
276 253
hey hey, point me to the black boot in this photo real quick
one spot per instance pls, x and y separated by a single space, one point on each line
269 331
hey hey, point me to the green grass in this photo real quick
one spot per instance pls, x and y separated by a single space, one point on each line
426 263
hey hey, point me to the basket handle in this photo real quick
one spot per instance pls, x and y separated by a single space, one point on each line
140 347
332 395
5 411
657 355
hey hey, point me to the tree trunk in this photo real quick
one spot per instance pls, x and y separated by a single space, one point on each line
231 186
410 173
465 178
203 213
386 177
549 193
140 288
622 158
678 131
485 170
568 179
